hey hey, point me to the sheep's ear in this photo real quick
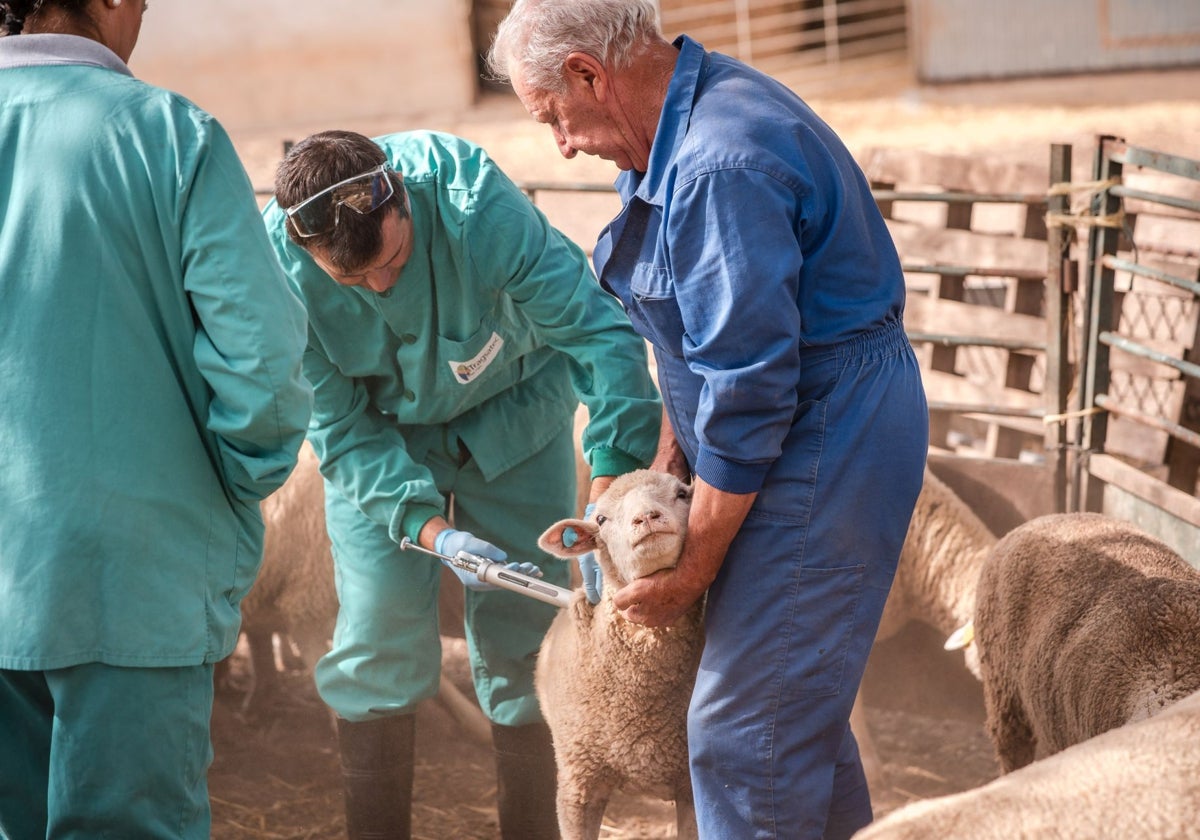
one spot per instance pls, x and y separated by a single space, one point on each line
556 538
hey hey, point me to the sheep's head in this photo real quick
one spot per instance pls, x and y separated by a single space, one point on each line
637 529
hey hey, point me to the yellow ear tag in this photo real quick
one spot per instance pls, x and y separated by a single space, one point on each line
961 638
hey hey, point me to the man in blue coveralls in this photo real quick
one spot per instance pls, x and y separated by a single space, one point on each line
750 253
452 333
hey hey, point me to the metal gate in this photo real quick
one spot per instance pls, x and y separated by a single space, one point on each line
1131 432
1058 324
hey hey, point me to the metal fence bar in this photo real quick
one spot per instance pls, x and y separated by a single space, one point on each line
562 186
975 341
992 409
1060 274
1153 274
949 197
1175 201
1098 316
954 197
1173 429
974 270
1135 349
1161 161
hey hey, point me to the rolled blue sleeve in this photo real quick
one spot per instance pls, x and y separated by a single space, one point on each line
736 264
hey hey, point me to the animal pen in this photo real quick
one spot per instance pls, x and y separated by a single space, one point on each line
1058 326
1057 322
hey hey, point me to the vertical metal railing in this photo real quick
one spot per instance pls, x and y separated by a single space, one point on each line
1098 317
1106 336
1061 284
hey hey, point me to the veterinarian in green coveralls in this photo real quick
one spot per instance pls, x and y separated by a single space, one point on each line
452 334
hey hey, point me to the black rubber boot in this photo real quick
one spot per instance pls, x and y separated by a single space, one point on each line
377 777
526 782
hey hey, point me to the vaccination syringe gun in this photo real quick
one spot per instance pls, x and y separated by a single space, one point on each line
497 574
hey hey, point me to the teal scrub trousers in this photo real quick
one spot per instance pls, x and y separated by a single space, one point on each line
386 654
99 751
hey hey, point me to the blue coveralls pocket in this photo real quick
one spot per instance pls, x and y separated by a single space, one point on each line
826 608
656 312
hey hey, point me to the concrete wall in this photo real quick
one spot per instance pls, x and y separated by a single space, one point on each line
951 40
269 62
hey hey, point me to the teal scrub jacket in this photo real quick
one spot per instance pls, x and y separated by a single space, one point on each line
494 332
150 367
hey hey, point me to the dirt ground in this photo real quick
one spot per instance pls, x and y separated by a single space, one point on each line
279 779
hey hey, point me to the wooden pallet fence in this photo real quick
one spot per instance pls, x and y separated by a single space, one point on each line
971 235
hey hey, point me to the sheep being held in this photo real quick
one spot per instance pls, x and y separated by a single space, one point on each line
1084 623
615 694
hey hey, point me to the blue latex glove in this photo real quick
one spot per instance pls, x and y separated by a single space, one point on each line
450 542
589 569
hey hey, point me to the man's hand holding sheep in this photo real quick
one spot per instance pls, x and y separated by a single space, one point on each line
661 598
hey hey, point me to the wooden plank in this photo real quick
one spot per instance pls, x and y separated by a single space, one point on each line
1158 493
1005 442
914 168
1172 235
951 388
1180 535
1157 182
949 317
1135 442
959 247
1031 426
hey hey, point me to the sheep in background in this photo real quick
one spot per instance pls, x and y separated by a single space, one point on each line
615 694
1084 623
943 551
294 596
1135 781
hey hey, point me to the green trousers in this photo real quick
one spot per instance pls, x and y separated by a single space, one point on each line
386 654
97 751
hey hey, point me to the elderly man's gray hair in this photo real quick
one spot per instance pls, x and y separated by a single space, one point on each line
536 37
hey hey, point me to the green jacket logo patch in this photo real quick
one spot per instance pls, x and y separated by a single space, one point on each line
468 371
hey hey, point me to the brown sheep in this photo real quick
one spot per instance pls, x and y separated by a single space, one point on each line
615 694
1084 623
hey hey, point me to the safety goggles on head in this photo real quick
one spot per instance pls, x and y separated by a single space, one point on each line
364 193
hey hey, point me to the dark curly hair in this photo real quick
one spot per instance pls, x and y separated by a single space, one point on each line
319 161
16 12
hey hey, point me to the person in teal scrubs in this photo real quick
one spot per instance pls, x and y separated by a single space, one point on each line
452 334
150 367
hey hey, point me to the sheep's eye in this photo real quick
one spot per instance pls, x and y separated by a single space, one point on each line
683 493
601 518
